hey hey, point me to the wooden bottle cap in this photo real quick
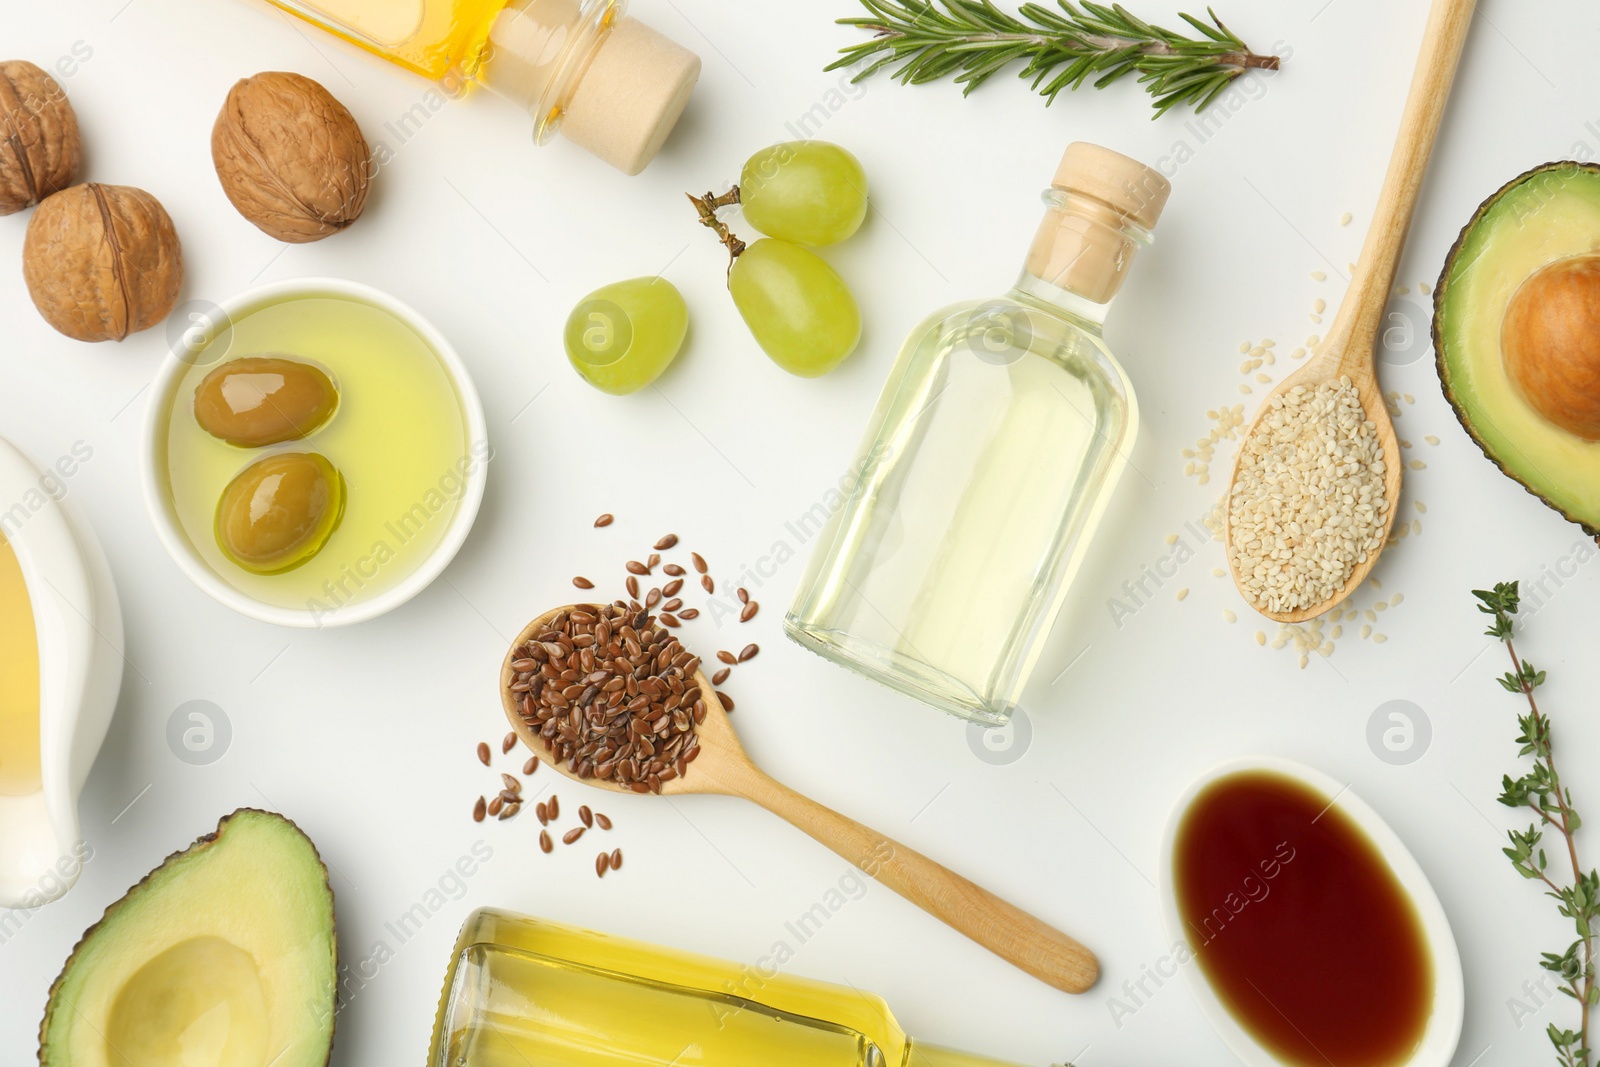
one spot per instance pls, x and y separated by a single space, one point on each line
631 96
1125 185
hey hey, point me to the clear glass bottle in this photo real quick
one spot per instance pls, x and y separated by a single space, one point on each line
1002 430
526 991
610 83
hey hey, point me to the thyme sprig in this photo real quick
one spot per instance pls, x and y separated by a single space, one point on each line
1061 47
1541 791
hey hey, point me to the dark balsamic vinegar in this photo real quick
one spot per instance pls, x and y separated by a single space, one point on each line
1300 926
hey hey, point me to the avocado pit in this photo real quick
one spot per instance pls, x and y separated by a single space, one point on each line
1550 340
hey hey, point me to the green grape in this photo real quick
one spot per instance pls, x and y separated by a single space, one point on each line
622 336
801 312
807 192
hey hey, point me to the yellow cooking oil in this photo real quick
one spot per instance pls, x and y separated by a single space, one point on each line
443 40
398 437
19 681
526 991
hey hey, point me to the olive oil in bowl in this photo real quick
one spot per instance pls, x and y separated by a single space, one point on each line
405 443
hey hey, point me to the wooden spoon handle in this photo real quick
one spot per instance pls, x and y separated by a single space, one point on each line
1004 929
1442 41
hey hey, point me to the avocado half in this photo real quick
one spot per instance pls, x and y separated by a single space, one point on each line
1541 218
224 955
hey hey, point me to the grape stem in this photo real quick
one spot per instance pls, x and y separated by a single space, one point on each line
707 206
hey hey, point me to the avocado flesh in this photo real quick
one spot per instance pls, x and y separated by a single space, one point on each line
1548 214
224 956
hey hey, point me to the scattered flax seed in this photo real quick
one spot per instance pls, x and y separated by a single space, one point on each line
744 595
721 676
699 562
707 584
748 652
727 701
672 587
605 520
572 835
653 561
508 743
635 567
1183 593
479 809
510 810
689 613
669 619
666 542
672 570
545 844
553 806
632 586
1379 639
727 657
1261 637
582 583
585 815
542 810
749 611
616 859
483 753
1229 616
1344 220
602 821
602 863
530 766
512 785
494 806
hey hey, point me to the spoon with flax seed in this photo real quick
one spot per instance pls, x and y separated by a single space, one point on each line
608 697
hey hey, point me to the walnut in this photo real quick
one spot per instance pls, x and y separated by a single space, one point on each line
290 157
102 261
39 145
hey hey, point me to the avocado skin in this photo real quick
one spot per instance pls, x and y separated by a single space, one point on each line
200 844
1441 365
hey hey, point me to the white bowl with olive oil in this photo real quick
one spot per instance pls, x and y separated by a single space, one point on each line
405 449
60 670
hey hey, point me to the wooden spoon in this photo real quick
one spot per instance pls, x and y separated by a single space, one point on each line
1350 345
723 768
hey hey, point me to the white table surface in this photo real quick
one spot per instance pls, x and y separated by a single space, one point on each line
365 735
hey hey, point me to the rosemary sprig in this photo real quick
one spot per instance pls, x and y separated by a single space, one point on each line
1061 49
1541 791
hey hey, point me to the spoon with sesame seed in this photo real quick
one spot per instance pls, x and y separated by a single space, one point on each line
1281 551
607 697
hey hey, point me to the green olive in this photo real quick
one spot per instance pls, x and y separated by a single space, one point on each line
262 400
279 511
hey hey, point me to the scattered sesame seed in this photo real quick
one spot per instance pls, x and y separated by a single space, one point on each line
1229 616
1183 593
1366 631
1319 276
1217 572
1395 600
1379 639
1344 220
1421 507
1431 439
1320 306
1261 638
1417 465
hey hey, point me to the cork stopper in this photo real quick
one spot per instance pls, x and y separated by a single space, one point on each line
1103 205
611 84
631 96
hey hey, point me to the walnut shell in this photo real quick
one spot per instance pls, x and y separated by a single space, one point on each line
102 261
39 145
290 157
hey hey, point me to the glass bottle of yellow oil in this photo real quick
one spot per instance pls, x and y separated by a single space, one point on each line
1003 428
526 991
610 83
